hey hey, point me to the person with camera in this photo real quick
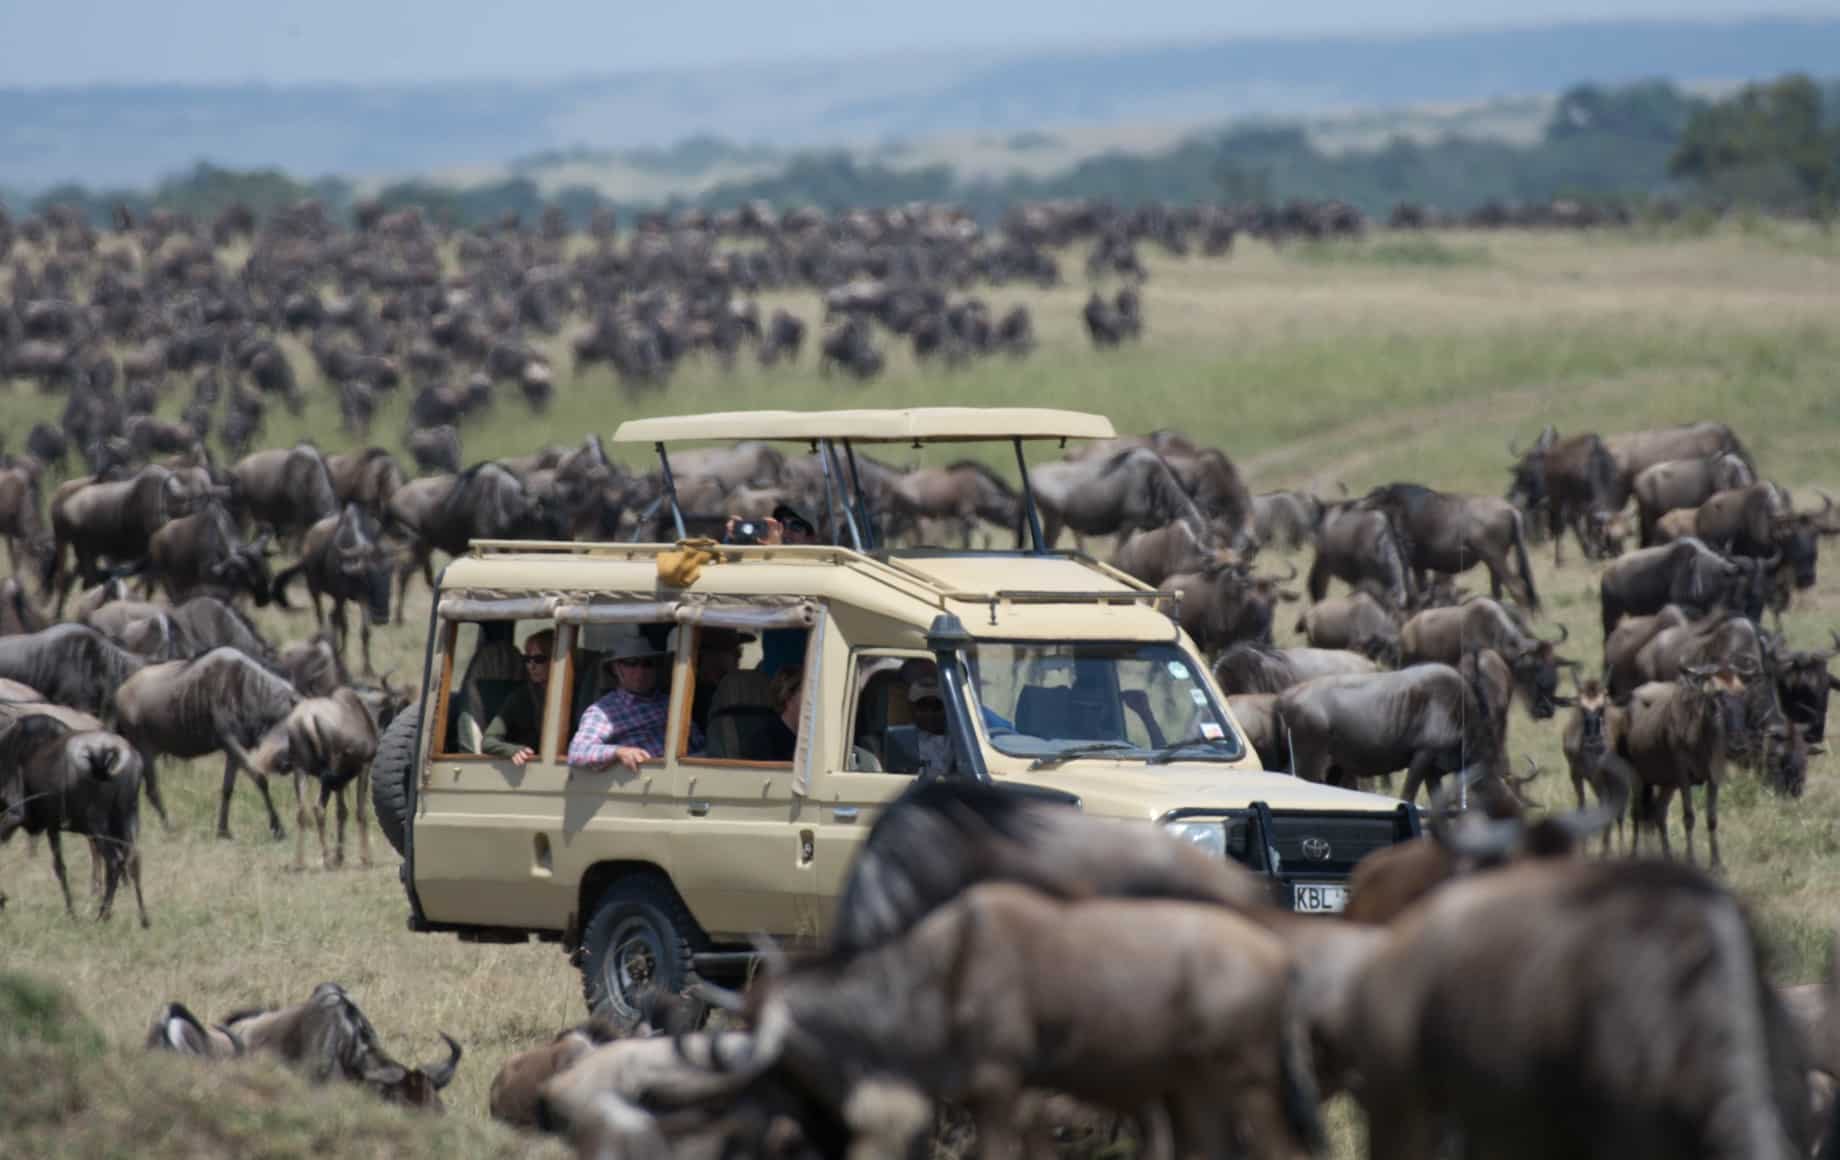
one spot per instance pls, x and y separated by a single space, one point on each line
627 726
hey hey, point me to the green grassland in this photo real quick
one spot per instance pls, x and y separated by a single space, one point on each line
1384 360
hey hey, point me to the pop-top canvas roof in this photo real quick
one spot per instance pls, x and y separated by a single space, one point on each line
910 425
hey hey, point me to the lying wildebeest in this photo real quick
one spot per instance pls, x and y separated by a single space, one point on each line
1450 533
1248 667
1685 572
202 551
1134 490
343 557
1428 720
1676 740
1359 621
220 701
70 664
1224 603
1287 518
1356 545
57 780
989 994
327 1037
1575 480
1593 736
286 488
107 520
331 740
1683 484
1446 634
1563 983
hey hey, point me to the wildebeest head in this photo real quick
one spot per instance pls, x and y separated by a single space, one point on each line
244 568
416 1087
1536 671
359 557
1803 684
1797 536
1725 687
1785 757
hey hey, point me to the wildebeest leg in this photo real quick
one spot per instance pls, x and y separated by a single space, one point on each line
363 793
997 1137
152 782
112 860
134 874
1422 770
1686 816
338 851
341 630
301 816
223 807
55 837
275 829
326 861
1712 821
319 611
364 639
96 863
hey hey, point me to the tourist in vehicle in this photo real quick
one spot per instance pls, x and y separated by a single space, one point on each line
794 528
627 726
929 710
718 653
778 740
517 729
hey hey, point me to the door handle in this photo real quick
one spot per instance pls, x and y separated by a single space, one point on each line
844 813
699 809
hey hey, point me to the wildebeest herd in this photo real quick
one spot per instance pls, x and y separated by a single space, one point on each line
1482 978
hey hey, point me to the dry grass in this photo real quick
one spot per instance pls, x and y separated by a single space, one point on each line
1363 368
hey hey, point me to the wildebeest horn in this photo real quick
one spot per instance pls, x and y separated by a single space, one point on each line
1533 771
1483 839
1564 635
237 1046
442 1074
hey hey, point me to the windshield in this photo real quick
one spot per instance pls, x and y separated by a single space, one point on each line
1138 701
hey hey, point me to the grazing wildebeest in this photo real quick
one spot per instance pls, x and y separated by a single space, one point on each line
1450 533
1677 484
1359 621
1428 720
1446 634
70 664
111 519
331 740
1563 982
965 492
1575 480
203 551
1224 603
327 1037
1355 544
988 994
1676 740
57 780
1287 518
1685 572
220 701
342 557
1134 490
286 488
1246 667
1593 734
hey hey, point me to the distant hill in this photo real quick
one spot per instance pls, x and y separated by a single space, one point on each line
130 136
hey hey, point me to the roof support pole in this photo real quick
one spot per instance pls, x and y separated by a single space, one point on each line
833 481
1028 501
670 488
872 534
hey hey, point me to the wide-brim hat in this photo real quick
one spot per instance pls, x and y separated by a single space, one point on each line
639 647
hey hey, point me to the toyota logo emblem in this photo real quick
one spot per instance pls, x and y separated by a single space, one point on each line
1315 849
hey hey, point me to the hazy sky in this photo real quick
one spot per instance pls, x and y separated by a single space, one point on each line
65 42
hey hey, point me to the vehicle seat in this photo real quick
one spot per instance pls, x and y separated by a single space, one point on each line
1043 712
738 712
901 749
496 669
875 707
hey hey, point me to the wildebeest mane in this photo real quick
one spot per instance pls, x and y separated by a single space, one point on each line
1249 667
70 664
989 473
227 684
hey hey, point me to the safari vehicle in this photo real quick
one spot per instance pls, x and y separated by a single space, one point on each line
1054 674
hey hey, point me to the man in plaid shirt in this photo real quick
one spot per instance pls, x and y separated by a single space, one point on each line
628 725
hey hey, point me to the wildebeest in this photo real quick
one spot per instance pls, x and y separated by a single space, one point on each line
988 994
107 520
70 664
326 1038
342 557
965 492
1358 621
55 780
1224 603
1134 489
367 477
1568 983
1803 683
1593 735
1247 667
18 612
1676 740
1286 518
203 551
220 701
20 519
1356 545
1759 521
434 448
519 1085
1679 484
1685 572
486 501
1576 481
1446 634
1154 555
331 741
1257 715
1450 533
1635 451
285 488
1429 720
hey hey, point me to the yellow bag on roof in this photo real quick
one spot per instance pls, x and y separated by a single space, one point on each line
679 567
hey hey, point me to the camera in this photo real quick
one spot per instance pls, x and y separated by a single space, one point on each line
745 532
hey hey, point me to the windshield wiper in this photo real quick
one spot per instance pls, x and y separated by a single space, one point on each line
1168 753
1089 749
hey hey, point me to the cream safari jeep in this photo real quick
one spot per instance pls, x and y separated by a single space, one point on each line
1053 674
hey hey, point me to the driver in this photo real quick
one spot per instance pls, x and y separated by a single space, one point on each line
929 712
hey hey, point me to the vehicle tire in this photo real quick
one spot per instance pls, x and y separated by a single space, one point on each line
391 770
639 935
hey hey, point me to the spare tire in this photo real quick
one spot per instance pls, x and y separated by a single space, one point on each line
391 770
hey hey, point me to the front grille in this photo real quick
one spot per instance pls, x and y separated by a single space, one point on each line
1300 840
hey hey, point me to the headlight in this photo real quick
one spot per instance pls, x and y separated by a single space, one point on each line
1208 837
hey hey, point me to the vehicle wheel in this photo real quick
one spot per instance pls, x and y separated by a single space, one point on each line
640 935
391 770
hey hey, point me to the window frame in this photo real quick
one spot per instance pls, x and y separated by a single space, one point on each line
572 721
687 695
449 641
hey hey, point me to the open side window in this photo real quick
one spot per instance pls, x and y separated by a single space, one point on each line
494 687
886 734
748 687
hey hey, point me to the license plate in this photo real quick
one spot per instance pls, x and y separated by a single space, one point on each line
1318 897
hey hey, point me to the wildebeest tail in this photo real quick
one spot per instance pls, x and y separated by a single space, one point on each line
1300 1100
1523 564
